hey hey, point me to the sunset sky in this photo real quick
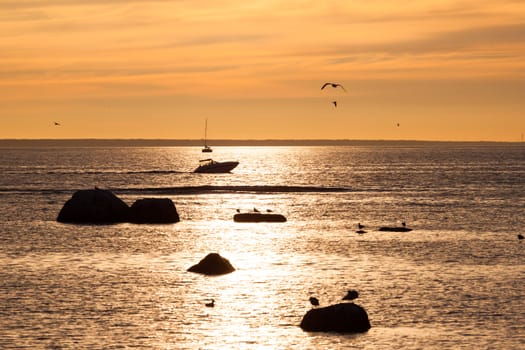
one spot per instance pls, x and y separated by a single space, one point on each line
443 70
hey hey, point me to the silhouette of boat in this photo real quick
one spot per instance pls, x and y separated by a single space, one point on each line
211 166
206 148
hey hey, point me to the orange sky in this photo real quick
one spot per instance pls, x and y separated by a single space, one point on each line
443 70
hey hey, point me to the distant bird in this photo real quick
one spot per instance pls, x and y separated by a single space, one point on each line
520 236
397 124
211 303
314 301
404 224
56 123
334 85
255 210
335 103
238 210
360 226
351 295
269 210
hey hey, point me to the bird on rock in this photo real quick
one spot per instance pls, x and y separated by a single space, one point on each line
351 295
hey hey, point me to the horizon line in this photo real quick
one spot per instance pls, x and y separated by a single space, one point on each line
230 142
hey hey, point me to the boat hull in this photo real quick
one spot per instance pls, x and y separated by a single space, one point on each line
217 167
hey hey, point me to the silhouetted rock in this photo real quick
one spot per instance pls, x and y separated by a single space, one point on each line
395 229
153 211
258 217
94 206
213 264
342 318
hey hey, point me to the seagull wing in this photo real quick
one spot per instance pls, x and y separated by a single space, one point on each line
324 85
342 87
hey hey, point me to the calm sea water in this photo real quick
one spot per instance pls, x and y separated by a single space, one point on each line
457 281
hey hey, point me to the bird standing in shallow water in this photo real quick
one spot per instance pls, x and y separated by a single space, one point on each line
314 301
351 295
211 303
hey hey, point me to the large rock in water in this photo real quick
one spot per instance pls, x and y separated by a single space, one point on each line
342 318
94 206
153 211
213 264
258 217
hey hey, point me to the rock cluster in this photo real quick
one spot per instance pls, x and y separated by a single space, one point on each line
103 207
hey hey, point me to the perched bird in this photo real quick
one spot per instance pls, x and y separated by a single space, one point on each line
334 85
520 236
211 303
404 224
360 226
335 103
314 301
269 210
351 295
238 210
255 210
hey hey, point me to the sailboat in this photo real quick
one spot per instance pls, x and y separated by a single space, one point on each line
206 148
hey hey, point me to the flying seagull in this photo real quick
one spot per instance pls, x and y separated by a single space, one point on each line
335 103
56 123
334 85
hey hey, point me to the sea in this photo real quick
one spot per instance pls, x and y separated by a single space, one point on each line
456 281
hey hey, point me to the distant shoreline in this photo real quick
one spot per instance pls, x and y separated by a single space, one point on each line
28 143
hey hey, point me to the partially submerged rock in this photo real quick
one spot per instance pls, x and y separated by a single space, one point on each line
213 264
258 217
341 318
153 211
395 229
94 206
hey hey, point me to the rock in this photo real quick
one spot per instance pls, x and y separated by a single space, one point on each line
395 229
153 211
258 217
94 206
213 264
341 318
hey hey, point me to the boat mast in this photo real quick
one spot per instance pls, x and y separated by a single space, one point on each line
205 131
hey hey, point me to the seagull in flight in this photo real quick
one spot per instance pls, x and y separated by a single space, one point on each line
56 123
334 85
335 103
